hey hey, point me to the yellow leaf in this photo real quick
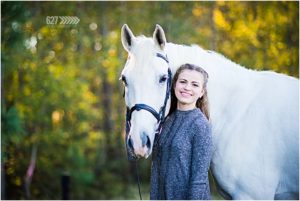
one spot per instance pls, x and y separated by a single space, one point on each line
219 20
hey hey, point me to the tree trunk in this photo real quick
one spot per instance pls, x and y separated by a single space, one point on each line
30 171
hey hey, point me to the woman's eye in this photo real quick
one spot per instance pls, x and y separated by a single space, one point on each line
182 81
195 85
163 79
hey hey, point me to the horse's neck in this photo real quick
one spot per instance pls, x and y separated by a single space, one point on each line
214 63
220 69
226 79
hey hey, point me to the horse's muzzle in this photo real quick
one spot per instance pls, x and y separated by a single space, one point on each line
136 151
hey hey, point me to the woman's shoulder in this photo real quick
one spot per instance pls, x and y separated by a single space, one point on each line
199 117
201 123
169 119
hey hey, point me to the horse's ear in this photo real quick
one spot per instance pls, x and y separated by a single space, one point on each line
127 37
159 37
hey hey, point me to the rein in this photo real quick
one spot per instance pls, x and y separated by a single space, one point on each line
159 116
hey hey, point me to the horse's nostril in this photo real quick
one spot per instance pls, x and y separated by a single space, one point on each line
146 140
130 143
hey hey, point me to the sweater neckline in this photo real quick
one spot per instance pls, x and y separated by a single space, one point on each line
185 112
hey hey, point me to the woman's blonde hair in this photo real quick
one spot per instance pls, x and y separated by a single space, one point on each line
202 103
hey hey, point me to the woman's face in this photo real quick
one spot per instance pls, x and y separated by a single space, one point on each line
188 88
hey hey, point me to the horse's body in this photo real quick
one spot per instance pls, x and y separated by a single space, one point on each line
255 125
254 119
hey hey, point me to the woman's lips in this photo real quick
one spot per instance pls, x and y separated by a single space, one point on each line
185 94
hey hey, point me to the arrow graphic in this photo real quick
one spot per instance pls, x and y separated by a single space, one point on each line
69 20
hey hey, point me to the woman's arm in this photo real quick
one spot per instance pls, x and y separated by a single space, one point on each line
154 191
201 157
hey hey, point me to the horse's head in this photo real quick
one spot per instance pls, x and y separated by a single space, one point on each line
147 80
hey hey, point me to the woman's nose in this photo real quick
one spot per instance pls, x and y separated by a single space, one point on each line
187 86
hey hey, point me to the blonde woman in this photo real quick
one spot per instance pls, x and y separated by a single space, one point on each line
182 154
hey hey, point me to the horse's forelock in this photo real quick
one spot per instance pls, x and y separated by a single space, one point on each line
144 44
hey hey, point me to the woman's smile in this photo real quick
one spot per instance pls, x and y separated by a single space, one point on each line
186 94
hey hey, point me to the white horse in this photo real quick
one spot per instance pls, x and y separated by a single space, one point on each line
254 115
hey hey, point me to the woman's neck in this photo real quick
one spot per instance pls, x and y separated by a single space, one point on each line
185 107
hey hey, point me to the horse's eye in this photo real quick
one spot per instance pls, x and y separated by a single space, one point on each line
123 78
163 78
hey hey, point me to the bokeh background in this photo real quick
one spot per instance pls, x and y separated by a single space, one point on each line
62 111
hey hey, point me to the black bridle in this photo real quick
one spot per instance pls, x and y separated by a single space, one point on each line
160 116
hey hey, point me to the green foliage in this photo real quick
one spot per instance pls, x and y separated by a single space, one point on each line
61 93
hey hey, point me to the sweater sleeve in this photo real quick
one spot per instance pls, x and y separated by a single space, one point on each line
201 157
154 192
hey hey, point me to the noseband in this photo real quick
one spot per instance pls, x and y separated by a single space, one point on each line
159 116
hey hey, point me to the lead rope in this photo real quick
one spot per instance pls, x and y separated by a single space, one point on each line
138 179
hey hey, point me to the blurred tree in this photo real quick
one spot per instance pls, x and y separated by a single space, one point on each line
253 28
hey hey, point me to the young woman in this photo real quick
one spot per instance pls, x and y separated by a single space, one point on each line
182 154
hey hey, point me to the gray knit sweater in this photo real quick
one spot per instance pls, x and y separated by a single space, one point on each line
181 158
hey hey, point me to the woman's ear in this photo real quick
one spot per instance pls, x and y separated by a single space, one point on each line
202 93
